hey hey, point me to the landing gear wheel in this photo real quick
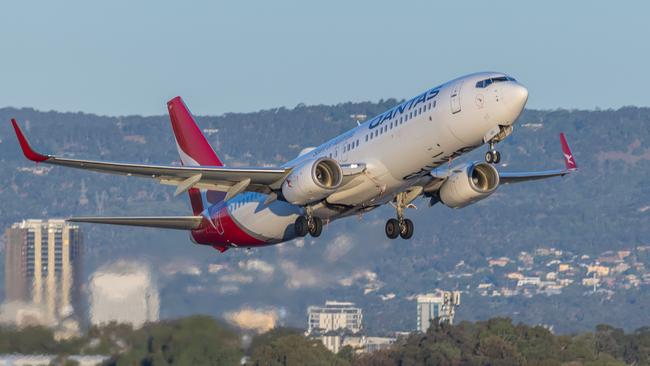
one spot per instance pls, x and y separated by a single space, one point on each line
301 226
497 157
392 228
489 157
492 157
316 228
406 229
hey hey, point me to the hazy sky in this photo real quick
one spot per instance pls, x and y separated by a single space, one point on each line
128 57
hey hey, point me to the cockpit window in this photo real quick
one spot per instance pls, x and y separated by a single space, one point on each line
485 83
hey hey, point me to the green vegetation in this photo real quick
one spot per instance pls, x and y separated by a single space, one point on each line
201 340
195 340
500 342
283 347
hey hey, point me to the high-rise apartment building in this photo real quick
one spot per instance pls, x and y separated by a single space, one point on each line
43 266
440 305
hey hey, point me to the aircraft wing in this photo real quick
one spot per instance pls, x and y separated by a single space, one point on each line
231 180
569 161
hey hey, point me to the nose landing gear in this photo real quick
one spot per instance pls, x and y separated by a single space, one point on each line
399 226
492 156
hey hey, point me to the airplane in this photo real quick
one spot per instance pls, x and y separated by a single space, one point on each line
402 154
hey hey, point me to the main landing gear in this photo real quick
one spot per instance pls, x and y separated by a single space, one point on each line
492 156
308 225
399 226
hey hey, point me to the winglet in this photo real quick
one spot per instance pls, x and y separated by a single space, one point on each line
569 160
24 144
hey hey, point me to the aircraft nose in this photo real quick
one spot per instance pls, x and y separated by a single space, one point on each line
519 95
515 98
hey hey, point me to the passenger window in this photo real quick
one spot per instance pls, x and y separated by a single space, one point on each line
366 138
357 143
434 104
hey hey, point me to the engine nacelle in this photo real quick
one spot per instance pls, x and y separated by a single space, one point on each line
474 183
312 181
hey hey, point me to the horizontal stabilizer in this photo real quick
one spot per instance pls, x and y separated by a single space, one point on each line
163 222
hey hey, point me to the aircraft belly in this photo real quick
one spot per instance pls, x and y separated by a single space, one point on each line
365 190
271 224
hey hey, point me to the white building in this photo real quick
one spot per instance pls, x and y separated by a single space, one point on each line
124 293
334 316
365 344
440 305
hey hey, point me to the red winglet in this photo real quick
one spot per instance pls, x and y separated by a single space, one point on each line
24 144
569 160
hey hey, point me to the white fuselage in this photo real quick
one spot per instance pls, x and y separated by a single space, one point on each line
399 148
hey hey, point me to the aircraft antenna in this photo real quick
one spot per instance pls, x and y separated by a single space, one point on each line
358 118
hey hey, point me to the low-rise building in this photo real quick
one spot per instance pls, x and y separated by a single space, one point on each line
598 269
563 267
515 276
591 281
123 292
334 316
499 262
365 344
534 281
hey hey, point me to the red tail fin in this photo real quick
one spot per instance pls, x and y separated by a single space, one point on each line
569 160
194 150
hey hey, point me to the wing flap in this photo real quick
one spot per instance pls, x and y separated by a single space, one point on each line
163 222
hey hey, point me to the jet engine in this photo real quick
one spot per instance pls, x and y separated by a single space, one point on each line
312 181
474 183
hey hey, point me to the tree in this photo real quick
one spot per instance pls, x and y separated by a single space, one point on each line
283 347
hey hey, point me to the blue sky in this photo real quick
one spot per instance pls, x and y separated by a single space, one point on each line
128 57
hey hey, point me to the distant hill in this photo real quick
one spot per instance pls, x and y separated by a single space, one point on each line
605 206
